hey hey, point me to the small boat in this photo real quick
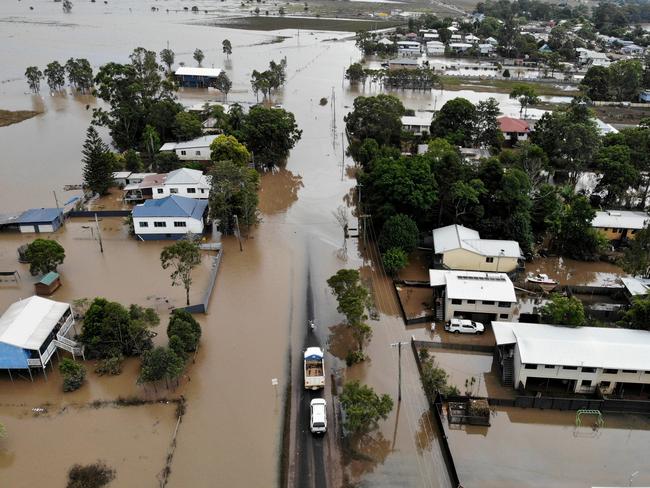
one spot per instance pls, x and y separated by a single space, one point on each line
545 283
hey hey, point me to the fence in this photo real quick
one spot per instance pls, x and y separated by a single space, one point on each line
455 346
414 284
99 213
608 405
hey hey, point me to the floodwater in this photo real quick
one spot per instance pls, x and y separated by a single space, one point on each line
231 433
573 272
541 448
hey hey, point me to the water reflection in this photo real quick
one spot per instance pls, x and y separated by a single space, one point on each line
368 451
279 190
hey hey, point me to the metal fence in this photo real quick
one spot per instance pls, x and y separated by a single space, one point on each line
202 306
455 346
99 213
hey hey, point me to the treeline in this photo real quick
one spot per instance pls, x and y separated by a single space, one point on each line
530 9
526 193
417 79
78 71
620 81
369 44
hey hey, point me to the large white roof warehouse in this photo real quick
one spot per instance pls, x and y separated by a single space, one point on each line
193 71
28 323
590 347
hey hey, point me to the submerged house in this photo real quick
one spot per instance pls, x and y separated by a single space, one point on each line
191 77
172 217
618 225
40 220
30 332
184 182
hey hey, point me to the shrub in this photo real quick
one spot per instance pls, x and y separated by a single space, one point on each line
399 231
186 328
110 366
93 475
354 357
73 374
323 101
394 260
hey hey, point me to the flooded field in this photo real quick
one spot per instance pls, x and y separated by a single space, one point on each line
541 448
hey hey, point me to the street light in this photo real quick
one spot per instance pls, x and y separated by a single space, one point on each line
399 368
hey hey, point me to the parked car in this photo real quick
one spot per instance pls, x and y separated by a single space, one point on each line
462 326
318 417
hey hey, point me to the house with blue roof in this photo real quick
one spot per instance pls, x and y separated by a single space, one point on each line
171 217
40 220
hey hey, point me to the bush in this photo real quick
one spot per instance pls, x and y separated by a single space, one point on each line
323 101
394 260
354 357
110 366
73 374
434 378
399 231
186 328
44 255
93 475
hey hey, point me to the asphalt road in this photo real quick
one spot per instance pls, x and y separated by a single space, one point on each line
310 449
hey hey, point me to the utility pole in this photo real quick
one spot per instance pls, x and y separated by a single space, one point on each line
56 200
342 155
99 235
399 368
237 233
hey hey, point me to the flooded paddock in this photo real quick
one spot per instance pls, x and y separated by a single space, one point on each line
540 448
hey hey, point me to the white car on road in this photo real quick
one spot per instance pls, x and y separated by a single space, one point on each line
462 326
318 417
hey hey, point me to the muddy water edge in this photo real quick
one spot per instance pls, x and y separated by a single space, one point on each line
231 433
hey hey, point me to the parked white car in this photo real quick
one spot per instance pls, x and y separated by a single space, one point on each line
318 417
462 326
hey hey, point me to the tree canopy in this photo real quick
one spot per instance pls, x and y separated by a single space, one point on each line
270 133
363 407
562 310
185 327
228 148
399 231
636 258
44 255
377 118
182 257
97 160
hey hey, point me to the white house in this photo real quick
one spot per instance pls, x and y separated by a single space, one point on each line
472 295
172 217
632 50
589 57
195 150
471 38
461 248
617 225
435 48
408 47
485 48
540 357
185 182
459 47
418 123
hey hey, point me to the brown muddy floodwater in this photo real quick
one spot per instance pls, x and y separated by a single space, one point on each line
572 272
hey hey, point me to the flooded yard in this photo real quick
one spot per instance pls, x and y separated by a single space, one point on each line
573 272
540 448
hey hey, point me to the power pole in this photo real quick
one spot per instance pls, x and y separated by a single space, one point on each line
342 155
399 368
237 233
56 200
99 235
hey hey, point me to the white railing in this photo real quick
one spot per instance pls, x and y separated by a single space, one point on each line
34 362
45 357
65 328
71 347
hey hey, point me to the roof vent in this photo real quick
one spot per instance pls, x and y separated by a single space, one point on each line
614 214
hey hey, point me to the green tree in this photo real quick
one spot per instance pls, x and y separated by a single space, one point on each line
355 73
394 259
576 237
187 126
638 315
98 170
351 295
526 95
270 133
625 79
532 160
226 47
110 330
67 6
455 121
229 148
73 374
618 173
553 62
399 231
377 118
167 57
223 84
636 258
165 162
182 257
55 76
150 143
44 255
363 407
94 475
198 56
132 161
434 378
34 75
186 328
561 310
486 130
80 74
445 35
595 83
160 364
234 191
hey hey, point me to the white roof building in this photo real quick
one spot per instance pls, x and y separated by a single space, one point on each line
27 323
194 150
418 123
620 219
194 71
185 182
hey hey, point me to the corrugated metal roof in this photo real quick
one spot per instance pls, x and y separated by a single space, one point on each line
453 237
592 347
27 323
620 219
36 215
49 278
194 71
203 141
172 206
474 285
510 124
184 176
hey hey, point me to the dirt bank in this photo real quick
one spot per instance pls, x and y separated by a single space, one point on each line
8 117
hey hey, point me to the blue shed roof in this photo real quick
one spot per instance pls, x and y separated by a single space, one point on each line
172 206
37 215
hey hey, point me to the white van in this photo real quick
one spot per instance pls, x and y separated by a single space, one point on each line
318 417
462 326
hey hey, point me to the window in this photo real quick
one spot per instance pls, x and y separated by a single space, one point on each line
631 371
488 302
160 224
456 301
610 371
202 190
530 366
143 224
180 224
191 190
548 366
489 260
570 368
605 384
504 304
160 190
471 301
183 153
586 383
588 370
198 153
503 316
173 190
